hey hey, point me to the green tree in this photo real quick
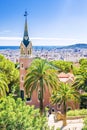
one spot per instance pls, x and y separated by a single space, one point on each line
11 73
63 66
3 85
40 75
76 70
81 76
16 115
83 62
81 81
62 95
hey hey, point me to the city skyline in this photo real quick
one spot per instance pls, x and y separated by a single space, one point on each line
59 22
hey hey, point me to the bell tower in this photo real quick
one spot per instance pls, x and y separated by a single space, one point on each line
25 56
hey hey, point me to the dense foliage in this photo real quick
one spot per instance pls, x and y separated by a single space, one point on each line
10 74
63 66
82 112
3 85
85 124
16 115
83 62
83 100
81 76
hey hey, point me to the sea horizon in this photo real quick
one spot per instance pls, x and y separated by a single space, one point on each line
77 45
35 47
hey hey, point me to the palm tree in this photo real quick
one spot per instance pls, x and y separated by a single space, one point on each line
40 75
81 82
3 85
62 95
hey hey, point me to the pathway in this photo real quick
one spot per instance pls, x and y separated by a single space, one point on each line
76 124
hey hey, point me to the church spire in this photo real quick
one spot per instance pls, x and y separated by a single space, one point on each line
26 37
26 27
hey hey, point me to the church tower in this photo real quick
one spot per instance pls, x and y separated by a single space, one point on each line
25 56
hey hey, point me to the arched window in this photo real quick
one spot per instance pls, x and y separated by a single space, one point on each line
28 97
22 78
22 94
22 65
69 108
22 51
28 52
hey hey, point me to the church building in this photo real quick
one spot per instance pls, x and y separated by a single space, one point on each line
25 56
25 61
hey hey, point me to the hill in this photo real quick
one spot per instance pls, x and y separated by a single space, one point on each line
79 45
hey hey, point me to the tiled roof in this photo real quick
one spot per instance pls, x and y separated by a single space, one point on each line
63 77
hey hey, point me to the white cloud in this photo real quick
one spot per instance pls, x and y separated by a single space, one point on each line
10 38
50 39
37 41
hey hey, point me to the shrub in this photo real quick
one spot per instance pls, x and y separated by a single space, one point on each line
83 100
16 115
85 124
81 112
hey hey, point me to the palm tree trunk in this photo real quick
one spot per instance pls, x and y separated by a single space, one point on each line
41 106
41 96
64 119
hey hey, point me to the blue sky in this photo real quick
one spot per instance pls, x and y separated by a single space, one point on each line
50 22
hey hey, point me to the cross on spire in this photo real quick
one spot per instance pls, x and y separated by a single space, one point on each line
26 14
